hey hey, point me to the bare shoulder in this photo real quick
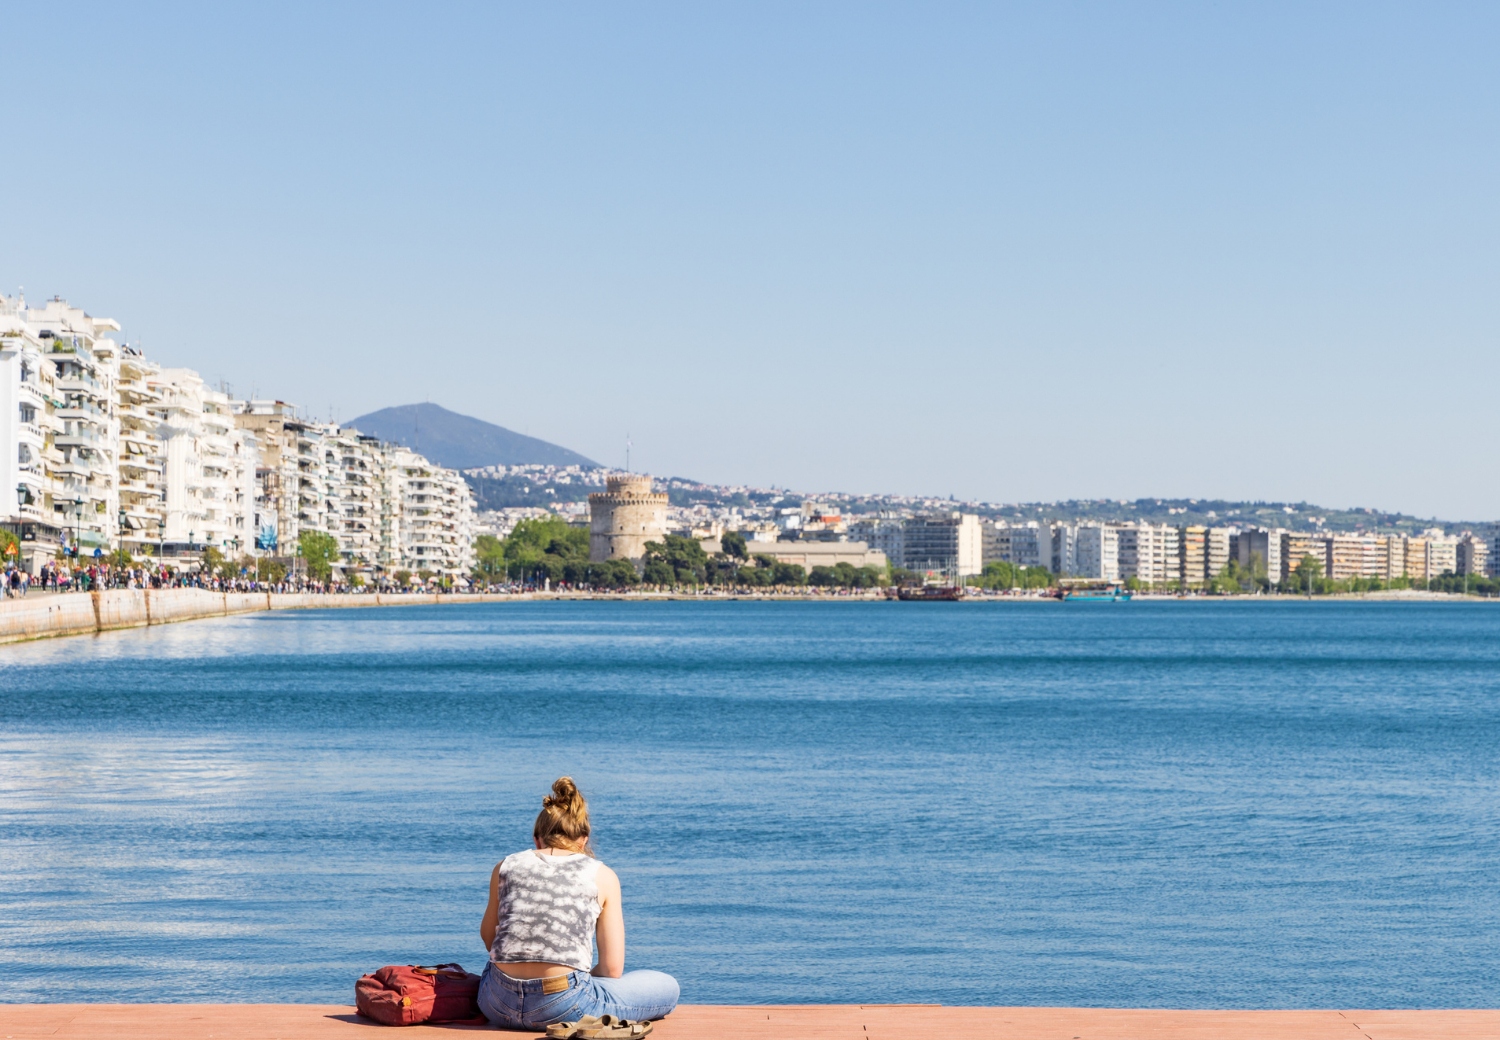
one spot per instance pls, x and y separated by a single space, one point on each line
607 879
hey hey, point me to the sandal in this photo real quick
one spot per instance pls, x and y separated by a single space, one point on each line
606 1027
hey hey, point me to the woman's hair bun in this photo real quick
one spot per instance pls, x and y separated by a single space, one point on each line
564 792
564 818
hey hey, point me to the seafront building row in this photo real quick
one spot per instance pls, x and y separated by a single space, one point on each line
629 513
102 449
1162 554
1153 554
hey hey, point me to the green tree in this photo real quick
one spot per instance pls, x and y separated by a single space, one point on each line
215 562
319 550
265 569
611 574
541 548
489 559
733 544
677 560
788 574
1305 576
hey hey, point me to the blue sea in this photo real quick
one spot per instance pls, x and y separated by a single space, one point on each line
1231 804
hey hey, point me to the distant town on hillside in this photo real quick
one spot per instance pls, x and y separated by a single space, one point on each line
565 490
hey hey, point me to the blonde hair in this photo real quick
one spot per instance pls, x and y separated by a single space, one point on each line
564 819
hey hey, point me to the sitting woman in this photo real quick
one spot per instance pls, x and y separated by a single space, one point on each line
546 905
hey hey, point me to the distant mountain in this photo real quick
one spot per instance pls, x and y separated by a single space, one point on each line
460 441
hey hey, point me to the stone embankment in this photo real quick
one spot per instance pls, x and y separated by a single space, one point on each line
71 614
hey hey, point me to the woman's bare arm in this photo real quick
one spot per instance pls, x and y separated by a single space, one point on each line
491 919
610 930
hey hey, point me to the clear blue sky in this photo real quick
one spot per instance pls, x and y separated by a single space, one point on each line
1031 252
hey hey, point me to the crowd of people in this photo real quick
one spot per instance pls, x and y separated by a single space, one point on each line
55 577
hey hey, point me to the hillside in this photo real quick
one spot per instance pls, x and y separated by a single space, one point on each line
461 441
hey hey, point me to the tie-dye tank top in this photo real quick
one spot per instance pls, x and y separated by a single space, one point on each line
548 906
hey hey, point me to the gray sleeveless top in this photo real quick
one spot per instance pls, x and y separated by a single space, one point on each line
548 906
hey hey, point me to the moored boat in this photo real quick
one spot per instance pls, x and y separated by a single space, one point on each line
930 593
1092 591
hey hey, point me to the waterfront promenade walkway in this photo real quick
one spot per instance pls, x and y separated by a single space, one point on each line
798 1022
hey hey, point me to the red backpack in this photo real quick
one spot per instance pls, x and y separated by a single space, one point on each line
406 994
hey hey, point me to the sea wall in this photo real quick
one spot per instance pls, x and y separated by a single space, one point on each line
70 614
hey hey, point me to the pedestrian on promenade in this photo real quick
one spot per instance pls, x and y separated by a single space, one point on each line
547 907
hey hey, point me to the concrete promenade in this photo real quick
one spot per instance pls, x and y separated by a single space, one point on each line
42 615
803 1022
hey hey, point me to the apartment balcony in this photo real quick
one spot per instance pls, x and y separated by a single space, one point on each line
80 384
79 436
87 412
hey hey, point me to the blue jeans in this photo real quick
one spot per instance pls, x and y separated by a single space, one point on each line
520 1003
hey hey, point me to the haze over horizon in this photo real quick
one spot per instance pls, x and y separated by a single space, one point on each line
1010 254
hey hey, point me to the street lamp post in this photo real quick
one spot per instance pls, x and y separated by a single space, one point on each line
77 529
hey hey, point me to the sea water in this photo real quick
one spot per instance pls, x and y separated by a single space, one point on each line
1233 804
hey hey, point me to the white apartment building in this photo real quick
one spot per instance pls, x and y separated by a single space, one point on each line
435 524
208 467
1490 533
882 534
142 464
1442 553
1473 555
59 434
1149 553
86 431
1027 545
26 427
1065 549
360 460
1216 550
1096 552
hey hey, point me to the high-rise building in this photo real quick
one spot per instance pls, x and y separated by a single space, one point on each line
952 542
887 534
1216 550
60 433
1148 553
1472 555
1262 547
1025 545
1065 549
1352 556
1097 552
1490 533
142 526
1297 546
1442 553
437 516
1192 554
28 477
1393 556
208 466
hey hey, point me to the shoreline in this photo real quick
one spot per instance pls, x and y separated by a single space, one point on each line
57 615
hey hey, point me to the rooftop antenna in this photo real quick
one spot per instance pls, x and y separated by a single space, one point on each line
627 453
